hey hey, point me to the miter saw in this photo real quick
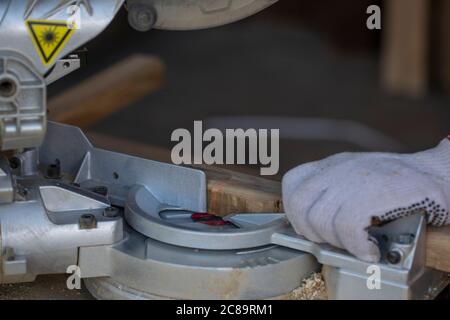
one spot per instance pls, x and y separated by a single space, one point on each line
135 228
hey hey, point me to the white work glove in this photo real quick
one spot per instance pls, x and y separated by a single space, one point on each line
335 200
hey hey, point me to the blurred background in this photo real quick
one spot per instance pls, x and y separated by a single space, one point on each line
341 86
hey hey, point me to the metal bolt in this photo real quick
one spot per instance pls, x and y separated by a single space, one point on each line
54 171
394 257
111 212
87 221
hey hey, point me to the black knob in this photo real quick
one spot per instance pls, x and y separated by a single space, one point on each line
141 15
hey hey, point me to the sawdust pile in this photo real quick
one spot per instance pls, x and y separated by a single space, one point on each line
312 288
48 287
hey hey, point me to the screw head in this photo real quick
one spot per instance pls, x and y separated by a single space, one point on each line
111 212
87 221
394 257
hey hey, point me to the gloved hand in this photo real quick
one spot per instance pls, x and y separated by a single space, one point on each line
335 200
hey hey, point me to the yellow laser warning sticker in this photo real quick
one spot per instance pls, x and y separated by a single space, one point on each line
49 37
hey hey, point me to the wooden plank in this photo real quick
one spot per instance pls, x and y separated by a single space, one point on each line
108 91
405 67
438 248
230 192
